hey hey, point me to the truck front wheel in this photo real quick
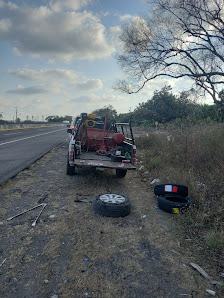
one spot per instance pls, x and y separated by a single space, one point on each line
121 173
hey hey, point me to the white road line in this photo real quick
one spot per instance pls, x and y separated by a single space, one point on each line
46 133
12 133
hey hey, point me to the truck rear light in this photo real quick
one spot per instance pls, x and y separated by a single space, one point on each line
134 155
71 153
73 127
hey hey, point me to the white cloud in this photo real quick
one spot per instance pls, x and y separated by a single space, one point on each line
33 90
56 76
126 17
64 35
51 61
115 33
92 84
58 5
177 85
5 26
81 99
92 102
45 74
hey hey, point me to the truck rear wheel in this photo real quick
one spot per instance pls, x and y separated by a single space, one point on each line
70 170
121 173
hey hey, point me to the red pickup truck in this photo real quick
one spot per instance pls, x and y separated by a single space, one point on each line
99 144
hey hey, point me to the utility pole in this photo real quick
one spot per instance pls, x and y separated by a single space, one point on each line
16 113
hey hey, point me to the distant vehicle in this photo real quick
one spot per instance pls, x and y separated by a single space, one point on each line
99 144
65 122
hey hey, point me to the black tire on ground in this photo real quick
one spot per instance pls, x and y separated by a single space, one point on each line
168 188
121 173
112 205
173 203
70 170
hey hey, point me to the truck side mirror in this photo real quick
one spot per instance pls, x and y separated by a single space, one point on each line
69 130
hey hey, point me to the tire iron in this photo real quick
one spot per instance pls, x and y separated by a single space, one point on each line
35 221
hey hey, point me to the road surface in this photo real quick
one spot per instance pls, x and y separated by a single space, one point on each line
20 148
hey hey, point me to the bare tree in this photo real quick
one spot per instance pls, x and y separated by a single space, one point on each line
180 39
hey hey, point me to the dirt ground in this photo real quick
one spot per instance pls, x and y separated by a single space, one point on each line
73 252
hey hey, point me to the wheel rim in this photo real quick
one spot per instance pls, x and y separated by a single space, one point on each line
112 198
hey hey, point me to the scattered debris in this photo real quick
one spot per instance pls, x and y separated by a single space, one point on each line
35 221
202 271
86 259
46 281
141 168
10 218
213 293
3 262
157 208
52 216
157 180
1 223
170 138
222 274
200 186
41 200
81 201
143 216
145 173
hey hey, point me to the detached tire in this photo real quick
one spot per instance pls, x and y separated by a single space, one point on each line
168 188
112 205
70 170
172 203
121 173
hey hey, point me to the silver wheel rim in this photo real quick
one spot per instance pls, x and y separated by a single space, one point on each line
112 198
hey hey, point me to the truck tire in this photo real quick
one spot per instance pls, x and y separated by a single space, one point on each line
70 170
173 203
112 205
121 173
168 188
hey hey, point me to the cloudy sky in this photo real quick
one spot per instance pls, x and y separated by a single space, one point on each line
57 57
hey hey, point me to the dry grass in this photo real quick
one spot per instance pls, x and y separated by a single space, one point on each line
193 157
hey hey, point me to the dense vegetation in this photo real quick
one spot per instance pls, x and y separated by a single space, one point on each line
58 118
165 107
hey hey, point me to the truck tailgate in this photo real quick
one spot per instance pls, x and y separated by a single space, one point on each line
103 164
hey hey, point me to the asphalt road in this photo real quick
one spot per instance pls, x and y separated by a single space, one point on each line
20 148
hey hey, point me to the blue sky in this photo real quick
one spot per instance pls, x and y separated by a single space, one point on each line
57 57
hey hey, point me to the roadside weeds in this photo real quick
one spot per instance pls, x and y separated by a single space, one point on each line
193 157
